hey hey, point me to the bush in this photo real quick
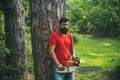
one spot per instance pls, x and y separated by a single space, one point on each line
6 72
75 38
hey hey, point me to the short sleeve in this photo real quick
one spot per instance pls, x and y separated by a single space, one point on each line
52 40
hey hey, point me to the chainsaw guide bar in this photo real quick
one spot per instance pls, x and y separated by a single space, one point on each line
68 70
78 69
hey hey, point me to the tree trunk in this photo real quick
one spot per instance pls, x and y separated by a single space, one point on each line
44 20
15 39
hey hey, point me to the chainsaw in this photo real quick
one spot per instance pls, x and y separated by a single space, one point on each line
73 66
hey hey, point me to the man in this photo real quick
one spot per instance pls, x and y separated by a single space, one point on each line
61 49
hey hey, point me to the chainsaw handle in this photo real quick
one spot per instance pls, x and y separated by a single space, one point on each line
76 61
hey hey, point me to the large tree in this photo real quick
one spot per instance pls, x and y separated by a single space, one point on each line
44 20
15 39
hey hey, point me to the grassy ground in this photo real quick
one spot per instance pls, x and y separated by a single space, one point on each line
104 52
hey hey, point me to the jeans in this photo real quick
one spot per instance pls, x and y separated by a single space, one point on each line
62 76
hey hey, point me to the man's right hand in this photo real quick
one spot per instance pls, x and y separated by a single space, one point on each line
60 66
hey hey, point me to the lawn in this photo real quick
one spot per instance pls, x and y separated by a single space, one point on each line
104 52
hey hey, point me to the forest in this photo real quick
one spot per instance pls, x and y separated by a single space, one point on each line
25 26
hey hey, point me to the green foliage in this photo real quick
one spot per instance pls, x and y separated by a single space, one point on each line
104 22
27 17
76 38
98 17
8 73
29 50
28 36
3 50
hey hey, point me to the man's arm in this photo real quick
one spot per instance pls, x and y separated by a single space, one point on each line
72 52
52 53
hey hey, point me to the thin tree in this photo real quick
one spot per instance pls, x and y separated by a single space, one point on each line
15 39
44 20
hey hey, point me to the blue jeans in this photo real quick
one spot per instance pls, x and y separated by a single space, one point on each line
62 76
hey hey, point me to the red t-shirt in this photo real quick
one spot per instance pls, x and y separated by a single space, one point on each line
62 44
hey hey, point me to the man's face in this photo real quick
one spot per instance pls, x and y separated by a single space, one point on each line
64 25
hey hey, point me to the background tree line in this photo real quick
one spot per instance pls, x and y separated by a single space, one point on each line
100 18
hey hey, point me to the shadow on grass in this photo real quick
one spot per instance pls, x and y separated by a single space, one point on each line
113 75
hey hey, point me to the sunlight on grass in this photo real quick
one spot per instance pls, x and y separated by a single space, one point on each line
106 44
92 51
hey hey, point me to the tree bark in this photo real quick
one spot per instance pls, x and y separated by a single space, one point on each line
44 20
15 38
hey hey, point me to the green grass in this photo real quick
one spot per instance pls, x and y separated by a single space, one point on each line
104 52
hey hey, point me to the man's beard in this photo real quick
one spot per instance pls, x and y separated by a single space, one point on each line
63 30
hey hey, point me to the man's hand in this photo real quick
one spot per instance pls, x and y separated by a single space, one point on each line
60 66
76 61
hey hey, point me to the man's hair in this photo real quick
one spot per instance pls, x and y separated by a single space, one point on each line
63 19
